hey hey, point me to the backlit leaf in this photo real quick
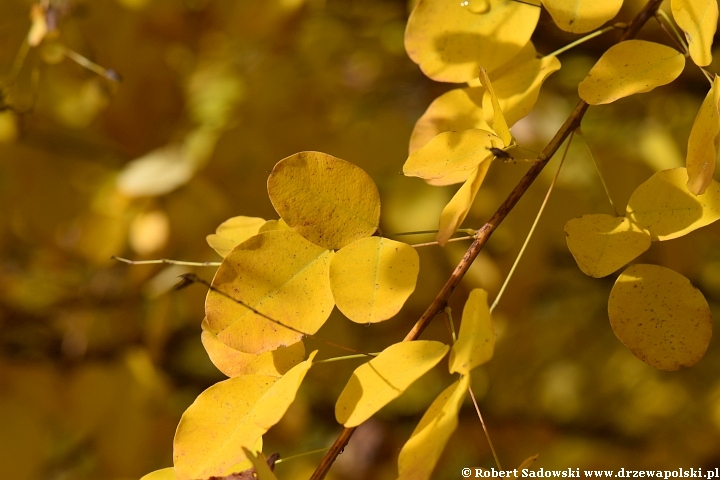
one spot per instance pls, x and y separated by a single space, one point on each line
164 474
704 142
230 415
667 209
279 274
452 40
329 201
629 67
602 243
499 124
420 454
476 341
698 18
381 380
660 316
372 277
156 173
457 209
234 363
580 16
232 232
451 154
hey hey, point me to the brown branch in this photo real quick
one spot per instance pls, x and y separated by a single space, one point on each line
484 233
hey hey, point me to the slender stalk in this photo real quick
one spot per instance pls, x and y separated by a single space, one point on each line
449 321
346 357
678 36
469 231
484 233
579 41
300 455
482 422
599 172
166 261
90 65
427 244
532 229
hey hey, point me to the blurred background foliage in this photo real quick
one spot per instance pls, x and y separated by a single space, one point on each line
98 359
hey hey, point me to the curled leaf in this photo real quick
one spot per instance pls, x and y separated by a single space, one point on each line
630 67
373 277
452 40
602 243
381 380
476 341
660 317
499 124
704 142
327 200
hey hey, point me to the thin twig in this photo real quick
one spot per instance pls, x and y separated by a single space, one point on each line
532 228
482 422
299 455
166 261
449 321
581 40
599 172
427 244
484 233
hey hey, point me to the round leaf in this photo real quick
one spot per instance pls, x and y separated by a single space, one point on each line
602 243
232 232
667 209
633 66
660 317
381 380
698 18
452 40
580 16
329 201
372 278
279 274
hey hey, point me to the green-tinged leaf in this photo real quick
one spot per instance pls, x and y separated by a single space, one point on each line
373 277
451 154
698 18
234 363
230 415
516 84
420 454
457 209
381 380
667 209
499 124
164 474
630 67
262 469
329 201
282 276
452 40
660 316
704 142
476 341
233 232
580 16
602 243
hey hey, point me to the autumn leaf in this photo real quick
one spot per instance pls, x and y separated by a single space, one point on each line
476 341
420 454
660 317
603 243
704 142
581 16
698 18
327 200
630 67
164 474
499 125
278 274
372 277
232 232
381 380
452 40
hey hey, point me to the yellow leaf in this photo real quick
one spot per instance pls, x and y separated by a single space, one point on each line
698 18
516 84
230 415
499 124
372 278
232 232
156 173
667 209
528 461
234 363
633 66
660 317
420 454
580 16
329 201
602 243
704 142
274 225
282 276
262 469
452 40
457 209
38 27
164 474
451 155
381 380
476 340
